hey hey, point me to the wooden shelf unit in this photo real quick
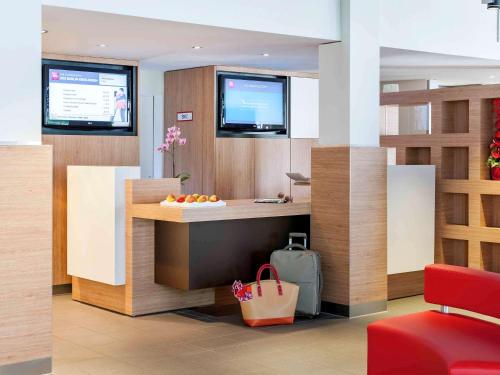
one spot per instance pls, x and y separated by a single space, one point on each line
467 201
418 155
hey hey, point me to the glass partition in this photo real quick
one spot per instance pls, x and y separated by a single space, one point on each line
405 119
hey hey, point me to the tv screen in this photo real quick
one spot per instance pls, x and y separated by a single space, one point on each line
88 98
252 103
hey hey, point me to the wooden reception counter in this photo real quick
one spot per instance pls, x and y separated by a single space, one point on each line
176 256
235 209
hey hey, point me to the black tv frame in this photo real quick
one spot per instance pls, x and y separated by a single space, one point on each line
81 128
244 130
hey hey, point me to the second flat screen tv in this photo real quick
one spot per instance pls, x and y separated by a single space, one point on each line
252 104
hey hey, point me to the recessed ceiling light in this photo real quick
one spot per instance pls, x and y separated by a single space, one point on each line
265 54
491 77
102 45
44 31
197 47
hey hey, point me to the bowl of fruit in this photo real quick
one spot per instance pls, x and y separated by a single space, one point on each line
192 201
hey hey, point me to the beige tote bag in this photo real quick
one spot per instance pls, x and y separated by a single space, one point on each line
273 302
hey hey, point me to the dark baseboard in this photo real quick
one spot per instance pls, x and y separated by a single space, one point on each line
61 289
40 366
353 310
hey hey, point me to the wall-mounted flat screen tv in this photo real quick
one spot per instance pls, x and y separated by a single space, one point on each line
252 103
87 98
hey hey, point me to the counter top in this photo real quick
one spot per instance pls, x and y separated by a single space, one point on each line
235 209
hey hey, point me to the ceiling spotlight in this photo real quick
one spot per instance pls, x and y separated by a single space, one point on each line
492 4
44 31
265 54
102 45
197 47
492 77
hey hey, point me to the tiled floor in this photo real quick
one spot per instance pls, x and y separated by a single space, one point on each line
88 340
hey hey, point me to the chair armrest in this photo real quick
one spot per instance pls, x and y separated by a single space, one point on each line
475 368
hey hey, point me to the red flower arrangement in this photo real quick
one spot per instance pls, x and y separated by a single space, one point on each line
494 159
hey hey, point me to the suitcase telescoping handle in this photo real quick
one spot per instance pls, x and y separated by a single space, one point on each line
276 277
293 235
294 246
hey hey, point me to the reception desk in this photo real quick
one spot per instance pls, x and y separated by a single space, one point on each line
198 248
175 256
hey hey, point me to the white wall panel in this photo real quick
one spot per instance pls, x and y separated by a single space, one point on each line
20 64
410 217
96 222
304 107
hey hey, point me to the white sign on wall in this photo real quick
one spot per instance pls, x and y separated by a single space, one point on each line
184 116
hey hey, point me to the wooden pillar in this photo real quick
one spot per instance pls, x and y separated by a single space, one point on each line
25 259
349 173
349 227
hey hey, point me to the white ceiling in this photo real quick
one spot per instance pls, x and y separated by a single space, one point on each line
167 45
448 70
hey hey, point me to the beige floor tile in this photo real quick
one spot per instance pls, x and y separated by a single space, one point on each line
106 366
65 351
89 341
83 336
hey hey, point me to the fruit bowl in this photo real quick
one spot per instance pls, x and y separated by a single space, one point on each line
193 205
192 201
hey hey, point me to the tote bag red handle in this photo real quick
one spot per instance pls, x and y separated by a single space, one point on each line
276 276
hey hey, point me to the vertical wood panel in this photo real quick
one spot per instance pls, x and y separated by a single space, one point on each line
192 90
235 168
25 250
330 187
272 162
368 225
348 222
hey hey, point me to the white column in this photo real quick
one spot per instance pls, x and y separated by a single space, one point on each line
20 64
349 78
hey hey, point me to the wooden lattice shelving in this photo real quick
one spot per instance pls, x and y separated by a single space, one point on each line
467 201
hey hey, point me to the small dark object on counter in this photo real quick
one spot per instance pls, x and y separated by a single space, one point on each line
285 198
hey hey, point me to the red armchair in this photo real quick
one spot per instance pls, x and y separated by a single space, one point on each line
438 342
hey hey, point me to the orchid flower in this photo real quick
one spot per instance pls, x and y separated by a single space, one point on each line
173 138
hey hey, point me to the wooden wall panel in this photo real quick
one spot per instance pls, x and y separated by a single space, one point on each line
300 162
192 90
368 225
195 90
330 180
235 168
466 198
81 150
348 223
405 284
272 162
25 250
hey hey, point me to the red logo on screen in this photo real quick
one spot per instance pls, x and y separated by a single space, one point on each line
231 84
54 76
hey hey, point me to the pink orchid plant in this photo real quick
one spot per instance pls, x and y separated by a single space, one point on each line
173 138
